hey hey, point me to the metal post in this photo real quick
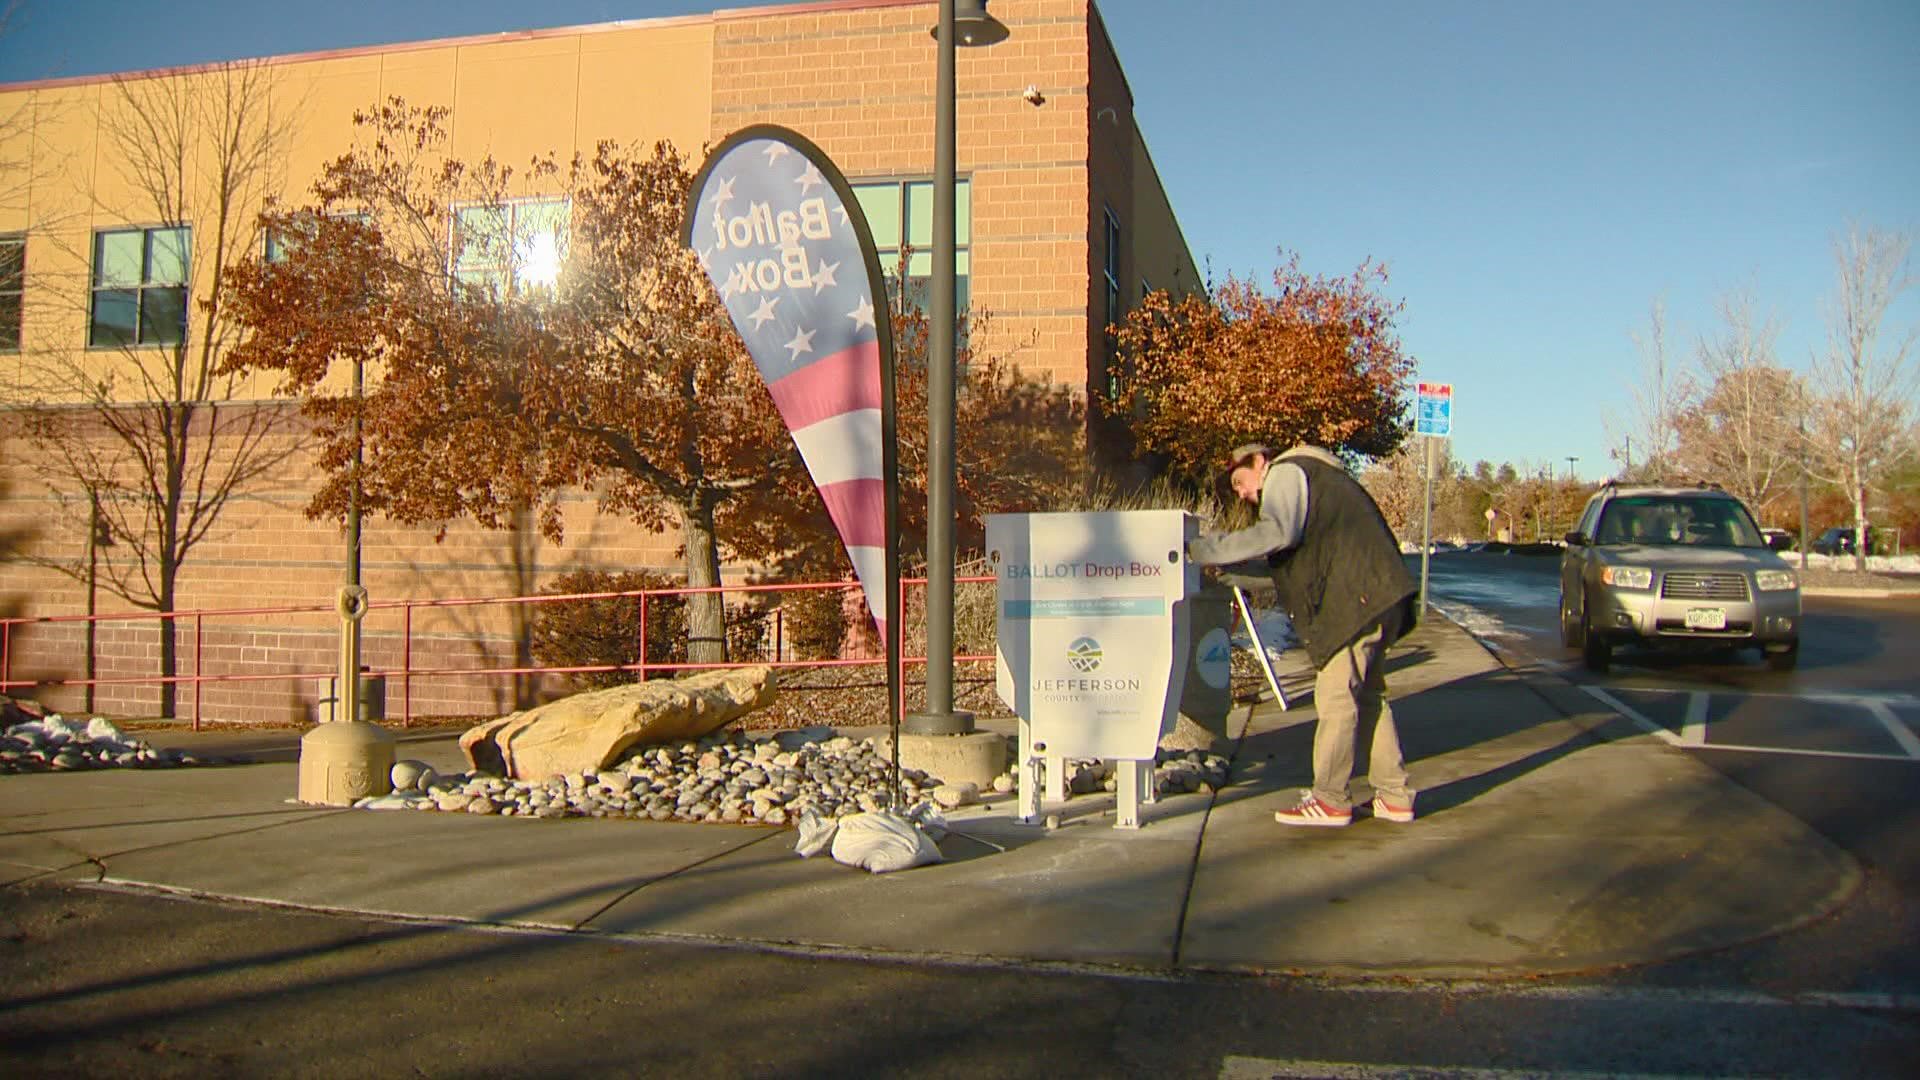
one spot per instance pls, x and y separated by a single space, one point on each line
406 665
1804 539
642 674
1426 526
348 707
93 582
938 717
199 650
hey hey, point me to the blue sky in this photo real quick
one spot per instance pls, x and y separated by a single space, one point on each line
1535 176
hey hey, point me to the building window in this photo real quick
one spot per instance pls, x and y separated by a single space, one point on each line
277 245
900 215
516 247
13 278
1111 254
140 286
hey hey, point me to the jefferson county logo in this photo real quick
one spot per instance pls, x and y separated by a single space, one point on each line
1083 655
1214 659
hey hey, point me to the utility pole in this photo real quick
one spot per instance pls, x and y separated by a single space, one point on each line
1426 525
1804 539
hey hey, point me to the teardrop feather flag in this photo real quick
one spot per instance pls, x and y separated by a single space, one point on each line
784 241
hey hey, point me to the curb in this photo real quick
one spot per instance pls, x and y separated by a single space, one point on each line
1859 594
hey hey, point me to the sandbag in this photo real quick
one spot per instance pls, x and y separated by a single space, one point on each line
816 834
882 841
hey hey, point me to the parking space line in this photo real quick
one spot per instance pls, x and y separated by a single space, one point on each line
1896 728
1235 1067
1858 755
1631 713
1693 730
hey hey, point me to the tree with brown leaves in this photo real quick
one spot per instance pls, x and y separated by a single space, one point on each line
494 389
1315 360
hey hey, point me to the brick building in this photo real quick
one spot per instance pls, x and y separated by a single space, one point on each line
1063 223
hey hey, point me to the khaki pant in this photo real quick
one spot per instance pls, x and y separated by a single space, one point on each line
1349 694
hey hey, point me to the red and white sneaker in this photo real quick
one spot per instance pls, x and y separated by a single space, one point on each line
1387 811
1311 811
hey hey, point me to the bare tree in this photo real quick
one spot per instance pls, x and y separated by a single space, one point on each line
1398 485
1647 432
139 435
1740 430
1863 384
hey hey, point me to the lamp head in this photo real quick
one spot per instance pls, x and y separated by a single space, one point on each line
973 27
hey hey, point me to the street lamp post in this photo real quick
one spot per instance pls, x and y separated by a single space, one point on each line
1570 477
971 26
1801 444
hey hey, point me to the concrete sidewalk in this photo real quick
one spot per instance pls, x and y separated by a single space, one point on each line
1553 837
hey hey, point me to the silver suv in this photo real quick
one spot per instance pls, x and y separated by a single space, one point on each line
1667 566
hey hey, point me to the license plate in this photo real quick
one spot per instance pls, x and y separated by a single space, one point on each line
1706 618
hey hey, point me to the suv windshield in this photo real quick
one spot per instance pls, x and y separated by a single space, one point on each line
1677 519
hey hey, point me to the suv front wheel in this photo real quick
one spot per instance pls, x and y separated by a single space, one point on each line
1573 630
1595 651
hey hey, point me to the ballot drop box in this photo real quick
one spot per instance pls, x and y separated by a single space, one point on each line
1093 623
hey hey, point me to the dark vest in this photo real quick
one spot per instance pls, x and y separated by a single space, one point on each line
1345 573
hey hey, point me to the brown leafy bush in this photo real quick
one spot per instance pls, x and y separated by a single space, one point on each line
813 622
605 630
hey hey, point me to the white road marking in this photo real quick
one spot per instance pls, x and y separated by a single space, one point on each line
1664 996
1250 1068
1857 755
1897 728
1693 730
1631 713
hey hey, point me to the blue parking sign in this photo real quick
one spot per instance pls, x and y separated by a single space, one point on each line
1433 409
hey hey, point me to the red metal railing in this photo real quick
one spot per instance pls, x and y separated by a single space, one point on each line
11 629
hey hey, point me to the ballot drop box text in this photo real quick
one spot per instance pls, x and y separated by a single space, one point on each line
1093 640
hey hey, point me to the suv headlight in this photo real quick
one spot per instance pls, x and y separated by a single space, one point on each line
1774 580
1627 577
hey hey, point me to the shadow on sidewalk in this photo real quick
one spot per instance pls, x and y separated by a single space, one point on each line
1460 740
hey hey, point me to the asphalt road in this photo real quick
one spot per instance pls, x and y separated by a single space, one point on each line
1833 742
107 984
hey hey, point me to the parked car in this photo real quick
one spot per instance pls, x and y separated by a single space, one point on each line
1778 539
1839 541
1675 567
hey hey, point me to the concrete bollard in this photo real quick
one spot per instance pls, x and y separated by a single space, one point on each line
341 762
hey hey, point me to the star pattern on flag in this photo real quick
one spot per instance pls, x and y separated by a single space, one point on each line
820 303
824 276
764 313
862 313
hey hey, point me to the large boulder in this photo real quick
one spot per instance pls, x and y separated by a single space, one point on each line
589 731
